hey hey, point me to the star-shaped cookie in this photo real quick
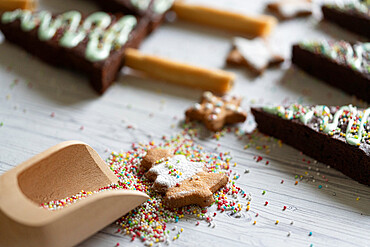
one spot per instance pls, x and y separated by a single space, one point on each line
288 9
215 112
154 155
254 54
181 181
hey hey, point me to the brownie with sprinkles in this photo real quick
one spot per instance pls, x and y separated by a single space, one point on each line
93 44
338 63
353 16
336 136
153 10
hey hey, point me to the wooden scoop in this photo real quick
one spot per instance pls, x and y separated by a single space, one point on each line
61 171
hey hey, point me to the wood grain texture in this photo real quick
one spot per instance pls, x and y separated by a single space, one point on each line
41 106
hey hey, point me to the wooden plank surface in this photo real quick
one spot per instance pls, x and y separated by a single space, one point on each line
41 106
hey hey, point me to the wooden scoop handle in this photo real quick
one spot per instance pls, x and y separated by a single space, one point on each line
250 25
218 81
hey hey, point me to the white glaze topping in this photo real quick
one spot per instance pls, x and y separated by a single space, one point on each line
254 51
101 40
180 169
355 120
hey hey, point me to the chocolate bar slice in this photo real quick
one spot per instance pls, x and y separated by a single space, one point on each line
336 136
354 16
153 10
93 44
338 63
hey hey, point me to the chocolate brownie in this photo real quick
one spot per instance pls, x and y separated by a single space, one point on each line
336 136
338 63
153 10
94 44
354 16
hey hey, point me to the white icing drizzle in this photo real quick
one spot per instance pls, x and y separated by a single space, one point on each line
197 106
255 52
159 6
101 40
184 169
355 132
215 105
141 4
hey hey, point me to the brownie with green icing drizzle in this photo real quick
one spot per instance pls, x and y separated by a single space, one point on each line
353 16
336 136
356 56
339 63
93 44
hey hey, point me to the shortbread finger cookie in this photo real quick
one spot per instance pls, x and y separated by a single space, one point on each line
254 54
181 181
288 9
215 112
6 5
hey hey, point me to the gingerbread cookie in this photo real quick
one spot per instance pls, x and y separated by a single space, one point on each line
153 156
288 9
215 112
181 181
254 54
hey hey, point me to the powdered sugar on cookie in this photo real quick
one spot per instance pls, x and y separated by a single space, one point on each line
254 51
254 54
175 170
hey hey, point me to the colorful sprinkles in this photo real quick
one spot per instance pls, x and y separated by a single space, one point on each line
149 223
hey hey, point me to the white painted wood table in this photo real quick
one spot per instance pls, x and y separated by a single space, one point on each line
41 106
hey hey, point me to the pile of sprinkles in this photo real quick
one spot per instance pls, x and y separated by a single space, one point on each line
152 224
148 222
